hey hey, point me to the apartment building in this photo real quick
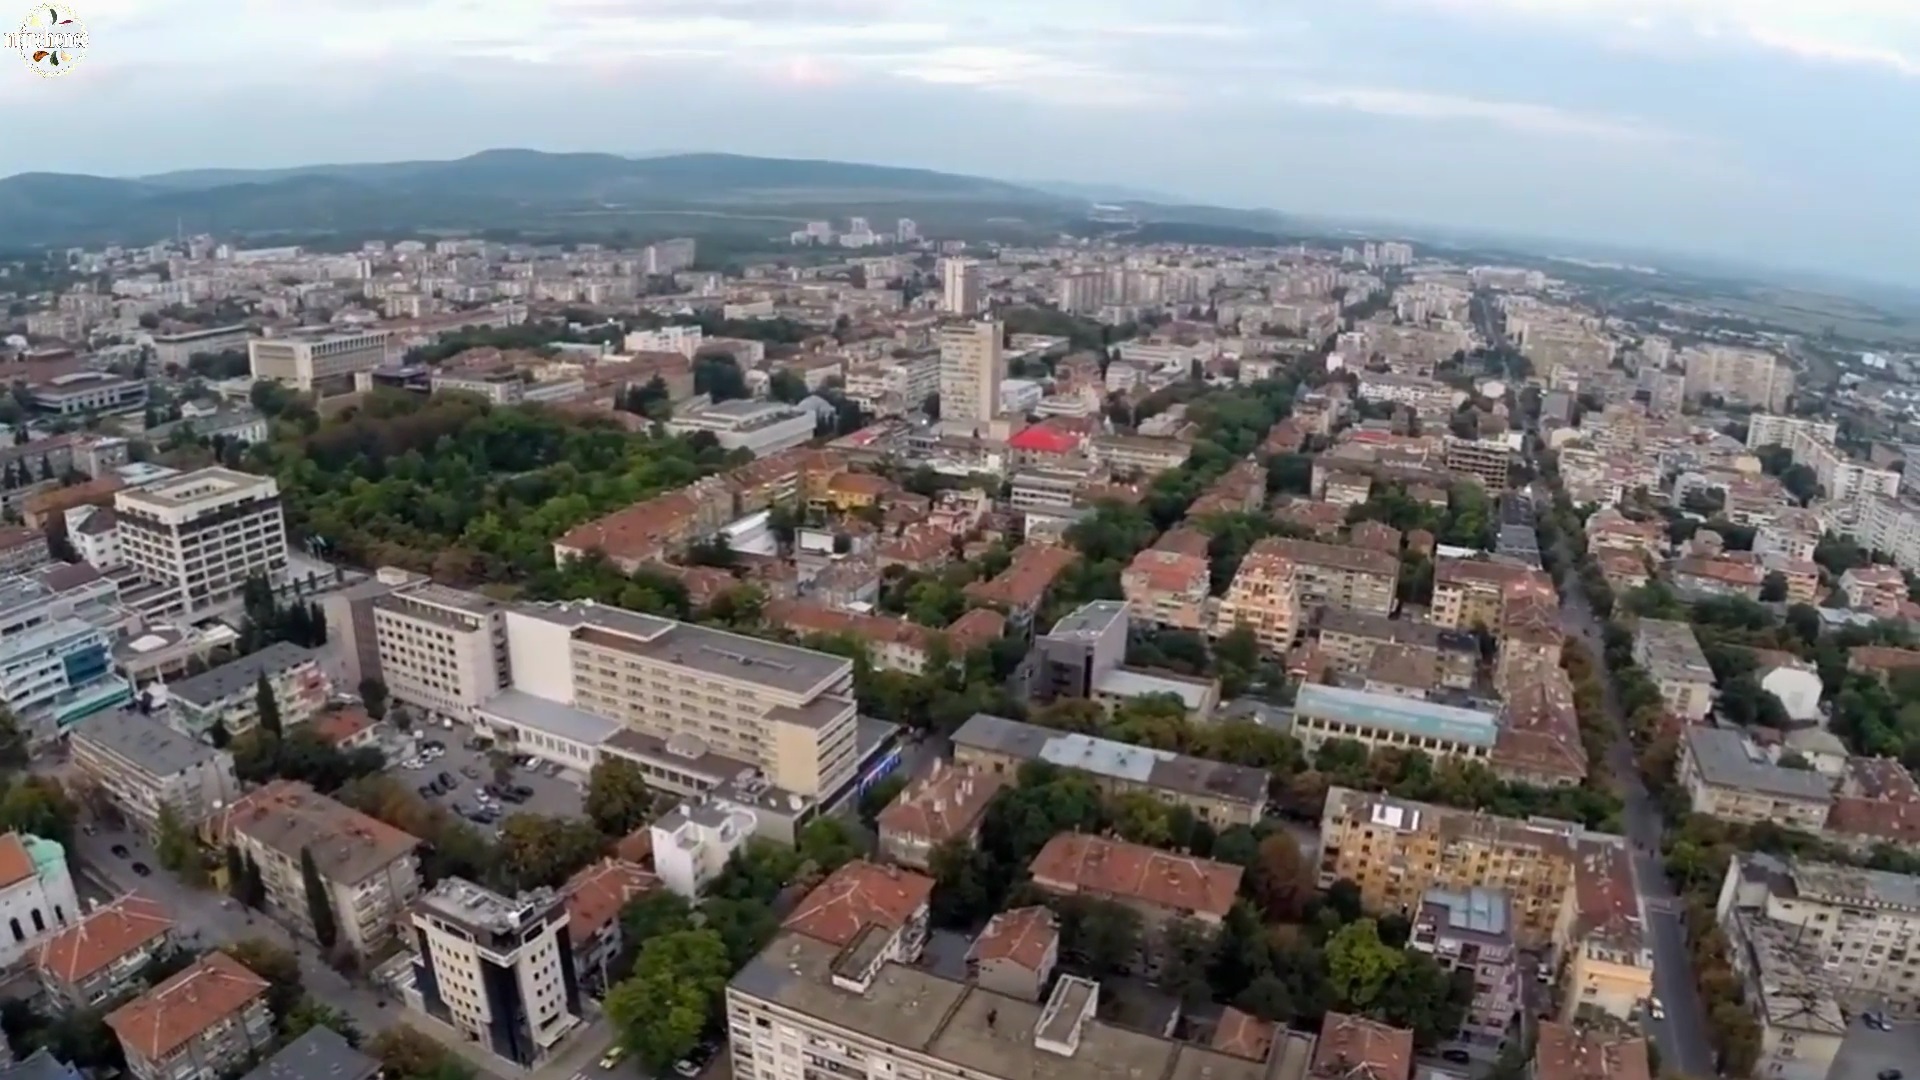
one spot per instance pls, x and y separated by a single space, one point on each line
1489 461
1728 777
22 549
442 651
893 644
1022 587
971 369
653 528
142 765
785 710
1471 593
693 841
1789 990
318 360
1670 655
1221 794
894 388
497 969
1861 926
948 803
229 695
103 954
1264 596
596 895
1160 887
1738 376
201 535
201 1024
371 870
319 1054
1349 578
1731 574
960 291
1811 442
1169 589
1584 1052
875 914
1472 931
1378 720
1880 591
1529 632
1349 640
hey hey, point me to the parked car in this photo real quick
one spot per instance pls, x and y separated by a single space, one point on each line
613 1057
141 869
1458 1057
434 744
1653 1006
120 851
425 790
445 778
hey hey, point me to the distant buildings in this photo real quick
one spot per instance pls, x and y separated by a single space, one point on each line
317 360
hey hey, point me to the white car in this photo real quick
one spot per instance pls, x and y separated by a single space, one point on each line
1654 1007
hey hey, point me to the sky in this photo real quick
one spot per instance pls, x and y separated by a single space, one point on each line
1777 133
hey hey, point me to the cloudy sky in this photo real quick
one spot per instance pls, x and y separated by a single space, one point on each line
1777 132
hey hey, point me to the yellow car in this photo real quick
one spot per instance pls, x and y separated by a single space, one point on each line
613 1057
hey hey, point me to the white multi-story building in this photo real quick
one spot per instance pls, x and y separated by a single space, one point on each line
669 256
317 360
762 427
684 340
960 287
143 765
970 372
894 388
202 535
175 350
441 650
496 968
692 843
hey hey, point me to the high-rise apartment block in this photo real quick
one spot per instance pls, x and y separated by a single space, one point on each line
202 535
498 969
960 287
971 367
1265 597
1739 376
319 360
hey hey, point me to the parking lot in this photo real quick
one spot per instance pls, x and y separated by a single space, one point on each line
1868 1054
470 770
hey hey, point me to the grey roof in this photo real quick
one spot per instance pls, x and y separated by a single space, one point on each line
1129 682
784 668
1726 759
549 717
1090 620
1478 911
1854 886
240 675
320 1054
39 1065
142 739
1399 631
1121 761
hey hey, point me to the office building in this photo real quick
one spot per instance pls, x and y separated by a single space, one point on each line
1080 648
441 651
693 841
176 350
960 292
100 956
201 535
203 1023
763 428
1671 656
229 695
371 870
1221 794
84 393
58 674
497 969
971 368
786 711
317 360
142 766
1322 713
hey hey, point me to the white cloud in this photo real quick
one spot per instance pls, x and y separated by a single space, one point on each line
1515 116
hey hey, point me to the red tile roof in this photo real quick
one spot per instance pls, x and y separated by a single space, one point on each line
106 935
172 1014
948 802
596 894
1354 1046
1026 580
1564 1052
1076 862
15 864
856 896
1041 439
1244 1035
1024 936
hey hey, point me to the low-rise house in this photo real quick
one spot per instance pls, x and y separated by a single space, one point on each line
1882 661
945 805
693 841
104 954
1161 887
1016 953
595 896
204 1022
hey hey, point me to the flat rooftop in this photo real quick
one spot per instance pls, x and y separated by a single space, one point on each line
1115 760
783 668
1391 713
461 901
190 487
553 718
144 740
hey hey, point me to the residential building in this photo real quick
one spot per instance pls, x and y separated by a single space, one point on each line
201 535
1471 593
1341 577
1788 988
371 870
787 711
1160 887
497 969
22 549
693 841
1487 460
99 956
1348 640
960 292
317 360
596 895
664 524
875 913
1670 655
1138 455
1585 1052
1860 925
1322 713
1728 777
1168 588
1878 590
1738 376
37 898
1016 952
201 1024
1020 589
1359 1048
142 766
971 368
763 428
1264 596
229 695
319 1054
442 651
948 803
1221 794
1472 931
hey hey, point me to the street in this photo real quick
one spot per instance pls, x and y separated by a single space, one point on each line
1681 1036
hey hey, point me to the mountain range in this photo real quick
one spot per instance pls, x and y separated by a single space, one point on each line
496 189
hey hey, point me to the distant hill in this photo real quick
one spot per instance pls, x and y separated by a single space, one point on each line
494 188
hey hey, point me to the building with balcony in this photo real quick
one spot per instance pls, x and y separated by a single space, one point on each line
693 841
1264 596
142 766
1160 887
1348 640
497 969
229 695
201 1024
948 803
103 954
1472 931
1862 927
57 674
1726 776
1168 588
1671 656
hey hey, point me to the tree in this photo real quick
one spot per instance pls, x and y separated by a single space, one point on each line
1359 964
267 706
13 741
175 846
319 904
1282 883
676 983
279 966
256 889
786 386
536 850
38 805
373 694
405 1053
829 843
1774 588
618 800
310 1014
236 874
